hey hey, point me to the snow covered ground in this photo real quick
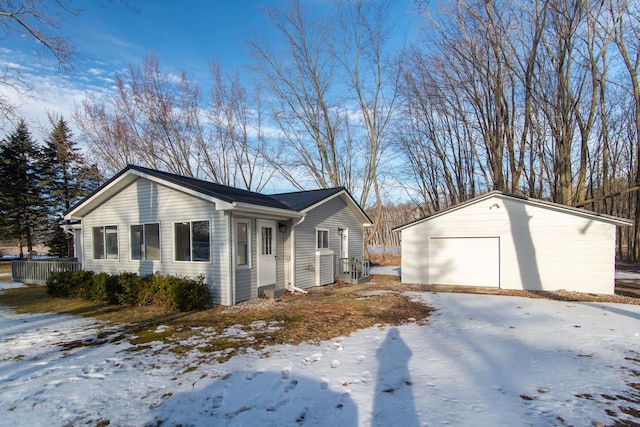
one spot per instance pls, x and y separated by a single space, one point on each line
386 270
481 360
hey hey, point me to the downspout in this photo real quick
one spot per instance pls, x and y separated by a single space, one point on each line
232 264
292 287
68 229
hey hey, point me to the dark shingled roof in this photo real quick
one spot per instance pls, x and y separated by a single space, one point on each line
219 191
300 200
295 201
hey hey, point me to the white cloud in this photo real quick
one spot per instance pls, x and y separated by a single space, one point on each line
55 94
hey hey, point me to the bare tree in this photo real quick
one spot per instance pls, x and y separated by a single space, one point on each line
299 72
157 119
361 49
234 152
547 105
625 16
37 21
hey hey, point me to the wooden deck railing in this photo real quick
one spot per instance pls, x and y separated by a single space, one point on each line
36 272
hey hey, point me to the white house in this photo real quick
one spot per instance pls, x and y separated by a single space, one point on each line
244 243
510 242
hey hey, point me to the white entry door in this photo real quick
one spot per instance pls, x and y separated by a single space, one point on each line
266 253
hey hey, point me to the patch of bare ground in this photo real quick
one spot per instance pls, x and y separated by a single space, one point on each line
321 314
330 311
5 266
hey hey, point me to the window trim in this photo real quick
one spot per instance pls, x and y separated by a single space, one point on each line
104 242
328 240
144 241
190 222
248 264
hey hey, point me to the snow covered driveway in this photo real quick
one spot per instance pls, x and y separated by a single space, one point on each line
482 360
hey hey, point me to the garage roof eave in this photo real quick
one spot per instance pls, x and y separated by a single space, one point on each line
550 205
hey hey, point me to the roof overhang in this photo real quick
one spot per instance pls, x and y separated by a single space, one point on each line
129 176
533 202
346 197
263 210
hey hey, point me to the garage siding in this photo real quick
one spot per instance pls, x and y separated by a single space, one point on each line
541 248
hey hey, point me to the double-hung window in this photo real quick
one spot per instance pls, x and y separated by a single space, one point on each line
192 242
105 242
145 242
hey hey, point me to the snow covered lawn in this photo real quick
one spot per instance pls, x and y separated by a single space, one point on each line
481 360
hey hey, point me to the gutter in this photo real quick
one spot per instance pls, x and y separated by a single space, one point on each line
255 209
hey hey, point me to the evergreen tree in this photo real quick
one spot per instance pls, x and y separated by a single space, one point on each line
22 211
66 178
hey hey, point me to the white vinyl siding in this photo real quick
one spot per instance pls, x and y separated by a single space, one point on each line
145 202
246 277
541 248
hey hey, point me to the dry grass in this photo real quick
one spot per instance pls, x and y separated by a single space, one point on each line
322 314
5 266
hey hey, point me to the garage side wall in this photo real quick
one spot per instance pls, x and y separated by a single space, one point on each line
539 248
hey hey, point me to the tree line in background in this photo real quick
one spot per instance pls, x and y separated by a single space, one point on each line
39 183
539 98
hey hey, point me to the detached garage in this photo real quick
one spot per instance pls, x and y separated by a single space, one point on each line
510 242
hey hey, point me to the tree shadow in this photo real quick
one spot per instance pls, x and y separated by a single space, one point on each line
393 401
525 248
617 310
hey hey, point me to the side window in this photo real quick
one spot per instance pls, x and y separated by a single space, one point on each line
243 253
200 242
98 242
105 242
322 239
192 242
145 242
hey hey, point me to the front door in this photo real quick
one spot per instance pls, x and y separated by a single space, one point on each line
266 253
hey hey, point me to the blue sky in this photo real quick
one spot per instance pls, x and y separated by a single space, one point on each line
108 36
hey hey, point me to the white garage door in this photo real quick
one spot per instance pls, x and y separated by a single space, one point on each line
464 261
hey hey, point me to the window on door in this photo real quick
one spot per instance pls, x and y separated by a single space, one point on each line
267 241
